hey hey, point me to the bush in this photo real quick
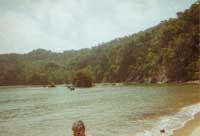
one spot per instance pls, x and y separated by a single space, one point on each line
83 78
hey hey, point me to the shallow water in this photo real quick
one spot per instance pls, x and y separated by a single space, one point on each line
106 110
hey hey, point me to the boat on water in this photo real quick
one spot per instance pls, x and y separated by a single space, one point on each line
72 88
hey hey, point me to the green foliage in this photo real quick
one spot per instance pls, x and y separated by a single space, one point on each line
169 52
83 78
37 79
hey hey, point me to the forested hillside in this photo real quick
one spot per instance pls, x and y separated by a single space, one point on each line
168 52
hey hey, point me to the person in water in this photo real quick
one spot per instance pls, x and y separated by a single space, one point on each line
78 128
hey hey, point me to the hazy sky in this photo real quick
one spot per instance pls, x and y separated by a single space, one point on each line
60 25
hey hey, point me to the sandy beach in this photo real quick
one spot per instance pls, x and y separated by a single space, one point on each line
192 128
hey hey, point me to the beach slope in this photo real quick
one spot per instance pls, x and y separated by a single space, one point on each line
191 128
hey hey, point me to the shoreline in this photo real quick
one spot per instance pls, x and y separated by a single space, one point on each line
193 82
191 128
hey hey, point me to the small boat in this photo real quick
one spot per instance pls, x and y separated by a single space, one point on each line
71 87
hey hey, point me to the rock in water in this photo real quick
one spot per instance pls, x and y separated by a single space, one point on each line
78 128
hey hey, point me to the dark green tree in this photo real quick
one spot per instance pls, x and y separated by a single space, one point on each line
83 78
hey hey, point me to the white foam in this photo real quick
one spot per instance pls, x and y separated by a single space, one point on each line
172 122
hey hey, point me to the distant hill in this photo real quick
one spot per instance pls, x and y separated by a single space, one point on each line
168 52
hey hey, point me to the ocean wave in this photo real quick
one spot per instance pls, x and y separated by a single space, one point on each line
172 122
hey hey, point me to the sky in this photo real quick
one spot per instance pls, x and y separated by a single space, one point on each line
60 25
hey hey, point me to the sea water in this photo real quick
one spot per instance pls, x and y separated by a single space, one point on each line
107 110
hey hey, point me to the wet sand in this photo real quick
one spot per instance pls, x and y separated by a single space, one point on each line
192 128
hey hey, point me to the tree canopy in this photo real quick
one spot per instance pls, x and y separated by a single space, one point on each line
83 78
